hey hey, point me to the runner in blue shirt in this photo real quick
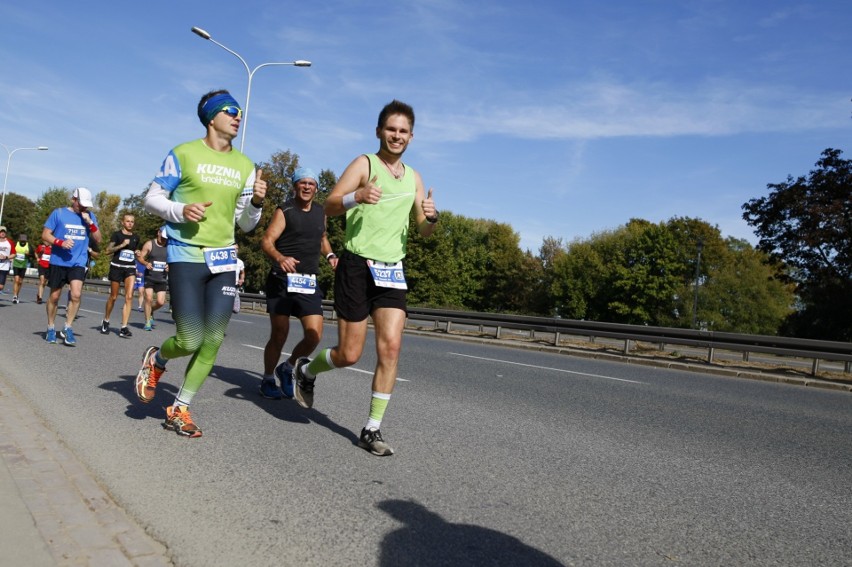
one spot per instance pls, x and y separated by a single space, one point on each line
69 230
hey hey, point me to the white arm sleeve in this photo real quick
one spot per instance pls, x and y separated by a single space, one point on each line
157 202
247 215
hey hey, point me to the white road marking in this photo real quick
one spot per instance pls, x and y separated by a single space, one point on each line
547 368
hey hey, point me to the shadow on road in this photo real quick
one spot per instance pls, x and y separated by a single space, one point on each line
135 409
246 388
426 539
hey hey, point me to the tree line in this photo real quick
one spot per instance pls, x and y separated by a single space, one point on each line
681 272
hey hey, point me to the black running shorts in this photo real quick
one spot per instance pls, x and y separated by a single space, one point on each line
355 293
58 276
120 273
281 302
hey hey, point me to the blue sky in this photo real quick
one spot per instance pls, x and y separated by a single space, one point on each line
560 118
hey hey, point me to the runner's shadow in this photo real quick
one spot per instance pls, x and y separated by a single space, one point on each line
427 540
135 409
246 388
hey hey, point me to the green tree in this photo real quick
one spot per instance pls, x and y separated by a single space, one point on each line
806 223
647 279
741 294
436 267
645 273
19 216
541 301
106 209
577 280
53 198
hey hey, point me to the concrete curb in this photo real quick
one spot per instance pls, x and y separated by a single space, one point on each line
56 511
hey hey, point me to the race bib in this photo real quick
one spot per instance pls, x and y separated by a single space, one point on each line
301 283
158 266
387 275
127 255
45 257
220 260
20 257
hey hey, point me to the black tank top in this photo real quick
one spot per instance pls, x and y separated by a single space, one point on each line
302 237
158 255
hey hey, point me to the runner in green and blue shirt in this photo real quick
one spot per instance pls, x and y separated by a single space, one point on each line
201 190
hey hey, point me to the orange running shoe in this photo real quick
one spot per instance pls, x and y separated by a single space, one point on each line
180 421
148 376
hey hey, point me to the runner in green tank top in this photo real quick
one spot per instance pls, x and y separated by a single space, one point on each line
378 193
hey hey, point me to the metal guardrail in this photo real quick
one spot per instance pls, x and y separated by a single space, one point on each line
445 320
815 350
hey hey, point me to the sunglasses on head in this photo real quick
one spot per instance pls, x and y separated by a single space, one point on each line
233 111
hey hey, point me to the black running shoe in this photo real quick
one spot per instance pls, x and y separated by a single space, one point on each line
104 327
304 390
125 333
371 440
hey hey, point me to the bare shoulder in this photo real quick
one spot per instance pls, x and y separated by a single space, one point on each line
356 174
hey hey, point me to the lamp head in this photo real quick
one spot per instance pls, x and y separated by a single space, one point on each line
200 33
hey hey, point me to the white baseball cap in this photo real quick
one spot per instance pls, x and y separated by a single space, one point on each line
84 196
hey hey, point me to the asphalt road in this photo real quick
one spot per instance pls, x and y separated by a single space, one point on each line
504 456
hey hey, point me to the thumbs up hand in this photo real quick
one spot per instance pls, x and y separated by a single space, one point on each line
259 192
429 210
370 193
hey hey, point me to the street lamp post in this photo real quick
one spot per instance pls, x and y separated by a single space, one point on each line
9 153
700 246
298 63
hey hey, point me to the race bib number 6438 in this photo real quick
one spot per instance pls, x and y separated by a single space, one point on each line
220 260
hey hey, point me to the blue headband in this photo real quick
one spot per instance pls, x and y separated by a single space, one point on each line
303 173
214 106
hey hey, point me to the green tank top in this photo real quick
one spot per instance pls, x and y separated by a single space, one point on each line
22 252
380 231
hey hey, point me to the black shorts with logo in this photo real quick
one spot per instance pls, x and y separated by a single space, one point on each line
356 295
279 301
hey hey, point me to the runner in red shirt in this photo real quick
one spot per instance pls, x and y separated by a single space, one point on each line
43 255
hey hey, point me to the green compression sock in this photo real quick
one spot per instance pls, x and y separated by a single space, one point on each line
322 363
378 405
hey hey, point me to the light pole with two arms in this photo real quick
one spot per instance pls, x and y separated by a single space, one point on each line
298 63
